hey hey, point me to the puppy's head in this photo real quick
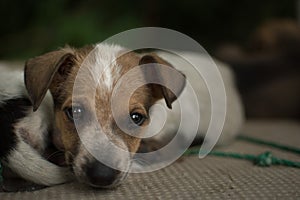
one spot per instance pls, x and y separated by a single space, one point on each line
57 71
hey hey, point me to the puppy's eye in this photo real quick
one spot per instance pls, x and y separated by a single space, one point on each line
74 113
137 118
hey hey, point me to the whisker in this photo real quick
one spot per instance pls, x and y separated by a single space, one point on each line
54 154
141 161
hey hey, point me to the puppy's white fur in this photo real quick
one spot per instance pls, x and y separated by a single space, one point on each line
105 58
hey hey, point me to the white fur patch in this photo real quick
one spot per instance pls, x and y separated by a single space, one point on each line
11 83
105 60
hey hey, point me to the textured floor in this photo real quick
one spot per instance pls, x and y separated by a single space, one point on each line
208 178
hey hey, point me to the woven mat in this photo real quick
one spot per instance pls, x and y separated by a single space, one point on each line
208 178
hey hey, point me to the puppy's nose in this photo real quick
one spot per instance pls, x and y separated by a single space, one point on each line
99 175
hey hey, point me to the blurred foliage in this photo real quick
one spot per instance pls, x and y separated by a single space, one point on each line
32 27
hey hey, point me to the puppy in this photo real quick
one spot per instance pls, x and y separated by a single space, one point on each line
66 115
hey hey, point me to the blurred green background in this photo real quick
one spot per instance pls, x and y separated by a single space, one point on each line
32 27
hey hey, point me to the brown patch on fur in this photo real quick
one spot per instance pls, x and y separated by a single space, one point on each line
60 82
159 91
61 89
139 102
68 131
41 70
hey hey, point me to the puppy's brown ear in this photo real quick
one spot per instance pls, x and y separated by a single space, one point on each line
176 80
40 71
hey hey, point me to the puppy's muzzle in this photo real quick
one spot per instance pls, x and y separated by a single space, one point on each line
100 175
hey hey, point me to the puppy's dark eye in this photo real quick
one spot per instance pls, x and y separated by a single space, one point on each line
137 118
74 113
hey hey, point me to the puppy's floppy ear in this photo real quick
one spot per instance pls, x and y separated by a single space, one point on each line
177 80
40 71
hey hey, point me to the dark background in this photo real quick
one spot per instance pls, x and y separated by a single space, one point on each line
269 88
31 27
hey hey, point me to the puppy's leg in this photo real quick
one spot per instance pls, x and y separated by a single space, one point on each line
30 165
13 183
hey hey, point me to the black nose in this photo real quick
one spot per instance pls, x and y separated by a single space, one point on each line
99 175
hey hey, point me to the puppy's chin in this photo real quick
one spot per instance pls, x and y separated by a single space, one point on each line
117 182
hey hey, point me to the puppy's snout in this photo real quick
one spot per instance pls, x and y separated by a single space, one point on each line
100 175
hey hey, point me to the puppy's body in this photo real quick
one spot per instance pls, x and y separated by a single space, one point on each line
234 110
24 134
57 71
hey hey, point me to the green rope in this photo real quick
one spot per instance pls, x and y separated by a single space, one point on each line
264 159
271 144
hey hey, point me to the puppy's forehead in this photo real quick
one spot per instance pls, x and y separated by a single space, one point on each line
99 71
107 63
